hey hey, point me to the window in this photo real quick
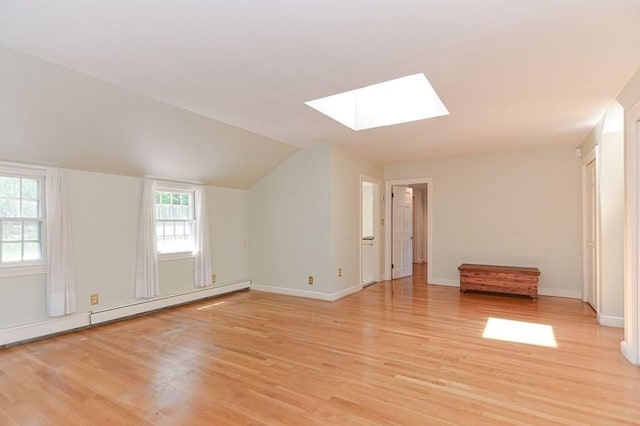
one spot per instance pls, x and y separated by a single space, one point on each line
21 220
175 221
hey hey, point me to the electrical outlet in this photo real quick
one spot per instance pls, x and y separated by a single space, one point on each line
310 280
94 299
339 272
213 278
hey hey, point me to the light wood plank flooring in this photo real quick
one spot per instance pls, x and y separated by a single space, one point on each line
414 357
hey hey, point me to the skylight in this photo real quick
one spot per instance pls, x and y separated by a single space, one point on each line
402 100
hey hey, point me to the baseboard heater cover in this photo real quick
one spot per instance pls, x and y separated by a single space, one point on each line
53 326
112 314
49 327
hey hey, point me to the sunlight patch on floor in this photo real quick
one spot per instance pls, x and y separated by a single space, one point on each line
520 332
209 306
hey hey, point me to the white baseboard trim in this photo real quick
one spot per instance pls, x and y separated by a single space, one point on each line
345 292
624 348
445 281
610 321
71 322
560 292
47 327
556 292
141 307
306 293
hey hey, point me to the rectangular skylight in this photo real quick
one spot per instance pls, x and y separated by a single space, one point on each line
402 100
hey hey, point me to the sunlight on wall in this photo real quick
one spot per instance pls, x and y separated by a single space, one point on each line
520 332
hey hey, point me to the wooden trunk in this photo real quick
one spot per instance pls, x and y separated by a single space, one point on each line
499 279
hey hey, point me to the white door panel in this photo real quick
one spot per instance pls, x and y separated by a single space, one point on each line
402 230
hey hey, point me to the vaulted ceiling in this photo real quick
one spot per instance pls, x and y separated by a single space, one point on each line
511 73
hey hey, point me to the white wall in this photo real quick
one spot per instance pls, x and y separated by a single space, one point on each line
104 211
521 208
305 220
50 115
345 215
611 190
289 223
630 94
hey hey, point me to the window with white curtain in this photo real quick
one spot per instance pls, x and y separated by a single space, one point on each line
175 220
22 226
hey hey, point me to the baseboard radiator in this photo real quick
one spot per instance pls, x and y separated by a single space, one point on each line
26 332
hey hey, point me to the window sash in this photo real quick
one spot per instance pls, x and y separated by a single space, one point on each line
22 199
174 211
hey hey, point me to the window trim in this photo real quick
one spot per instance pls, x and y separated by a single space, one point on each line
28 267
181 255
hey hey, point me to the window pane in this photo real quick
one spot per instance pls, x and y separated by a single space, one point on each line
9 207
158 197
166 198
11 231
32 251
159 229
185 199
176 212
32 231
190 243
30 189
159 212
161 246
188 228
175 198
169 245
168 229
9 187
166 212
11 252
179 228
30 209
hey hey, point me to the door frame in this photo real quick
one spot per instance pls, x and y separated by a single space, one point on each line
376 227
630 347
389 224
592 156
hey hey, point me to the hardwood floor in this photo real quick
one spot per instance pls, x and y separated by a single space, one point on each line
414 357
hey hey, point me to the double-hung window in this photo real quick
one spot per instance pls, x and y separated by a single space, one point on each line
175 220
22 224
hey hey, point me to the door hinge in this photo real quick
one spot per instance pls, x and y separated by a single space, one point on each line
392 266
393 195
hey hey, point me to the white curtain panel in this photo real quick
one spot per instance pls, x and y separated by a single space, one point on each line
147 282
420 226
61 280
202 258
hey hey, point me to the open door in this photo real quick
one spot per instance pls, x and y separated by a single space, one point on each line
591 212
369 238
402 232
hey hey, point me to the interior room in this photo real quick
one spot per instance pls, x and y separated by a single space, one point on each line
256 212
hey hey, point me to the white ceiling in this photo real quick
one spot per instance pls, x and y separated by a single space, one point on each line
511 73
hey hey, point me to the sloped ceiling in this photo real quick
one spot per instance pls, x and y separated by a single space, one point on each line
512 73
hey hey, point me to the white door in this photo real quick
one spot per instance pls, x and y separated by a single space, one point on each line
402 230
369 233
591 232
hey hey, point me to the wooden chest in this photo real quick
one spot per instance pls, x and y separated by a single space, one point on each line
499 279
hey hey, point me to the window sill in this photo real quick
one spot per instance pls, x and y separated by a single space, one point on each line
175 256
22 270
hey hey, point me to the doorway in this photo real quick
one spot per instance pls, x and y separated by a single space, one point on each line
402 232
369 231
393 244
590 229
